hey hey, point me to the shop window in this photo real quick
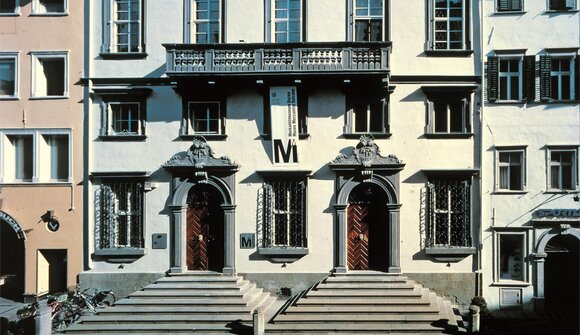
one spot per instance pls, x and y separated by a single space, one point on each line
511 251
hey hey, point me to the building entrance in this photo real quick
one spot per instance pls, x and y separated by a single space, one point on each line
562 274
367 229
204 230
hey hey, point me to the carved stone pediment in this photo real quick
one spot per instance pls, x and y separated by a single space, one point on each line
366 154
199 156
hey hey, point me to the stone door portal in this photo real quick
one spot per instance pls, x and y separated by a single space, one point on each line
204 231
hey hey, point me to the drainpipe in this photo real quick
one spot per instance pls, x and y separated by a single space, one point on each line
479 288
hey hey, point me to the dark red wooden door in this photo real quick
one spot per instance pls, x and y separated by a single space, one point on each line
358 237
197 237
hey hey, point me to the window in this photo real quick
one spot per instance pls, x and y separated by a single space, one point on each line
284 19
449 212
511 257
366 114
8 75
123 27
119 215
510 169
562 5
448 110
562 168
126 118
123 113
511 78
9 7
22 158
205 22
284 213
49 74
448 25
49 6
509 5
31 156
368 20
205 118
557 78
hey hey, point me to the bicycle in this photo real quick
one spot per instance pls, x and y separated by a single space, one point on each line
82 300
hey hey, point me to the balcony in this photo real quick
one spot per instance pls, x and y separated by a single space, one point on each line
259 59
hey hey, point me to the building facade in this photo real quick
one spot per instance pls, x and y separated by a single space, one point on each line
531 136
253 137
41 175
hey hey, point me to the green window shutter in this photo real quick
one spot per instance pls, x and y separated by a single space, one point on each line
529 78
516 5
466 115
576 78
570 4
492 78
545 64
503 5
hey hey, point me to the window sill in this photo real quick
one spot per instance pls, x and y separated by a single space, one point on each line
510 284
50 97
449 254
9 98
30 183
508 192
449 135
123 55
120 255
209 137
510 13
554 101
300 136
508 102
9 14
356 136
49 14
123 138
559 191
561 11
283 255
449 53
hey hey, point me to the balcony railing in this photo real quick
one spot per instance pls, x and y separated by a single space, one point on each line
248 59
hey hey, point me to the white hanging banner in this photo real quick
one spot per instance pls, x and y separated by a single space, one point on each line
284 127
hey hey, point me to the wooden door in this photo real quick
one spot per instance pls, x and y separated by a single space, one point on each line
358 237
197 237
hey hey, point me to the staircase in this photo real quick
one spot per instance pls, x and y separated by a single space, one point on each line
366 302
197 303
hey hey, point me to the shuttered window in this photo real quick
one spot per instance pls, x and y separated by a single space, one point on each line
562 5
511 78
509 5
558 78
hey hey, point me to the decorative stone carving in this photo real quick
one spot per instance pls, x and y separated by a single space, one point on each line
199 156
367 154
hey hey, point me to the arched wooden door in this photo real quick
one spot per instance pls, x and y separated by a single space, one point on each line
562 274
204 230
367 229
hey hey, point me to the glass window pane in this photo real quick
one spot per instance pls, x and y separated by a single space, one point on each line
511 250
515 178
362 30
7 76
7 6
504 178
456 121
566 87
514 88
376 123
360 118
23 159
440 117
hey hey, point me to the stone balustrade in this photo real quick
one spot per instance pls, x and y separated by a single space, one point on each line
205 59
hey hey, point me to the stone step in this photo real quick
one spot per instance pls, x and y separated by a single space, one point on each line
135 300
169 309
366 286
357 327
167 318
366 279
306 309
185 293
364 301
200 279
351 318
382 293
141 328
195 285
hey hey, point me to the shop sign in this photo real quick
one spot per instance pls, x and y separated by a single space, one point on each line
558 213
284 125
247 241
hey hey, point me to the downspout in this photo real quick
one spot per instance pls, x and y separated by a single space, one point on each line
479 287
86 108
